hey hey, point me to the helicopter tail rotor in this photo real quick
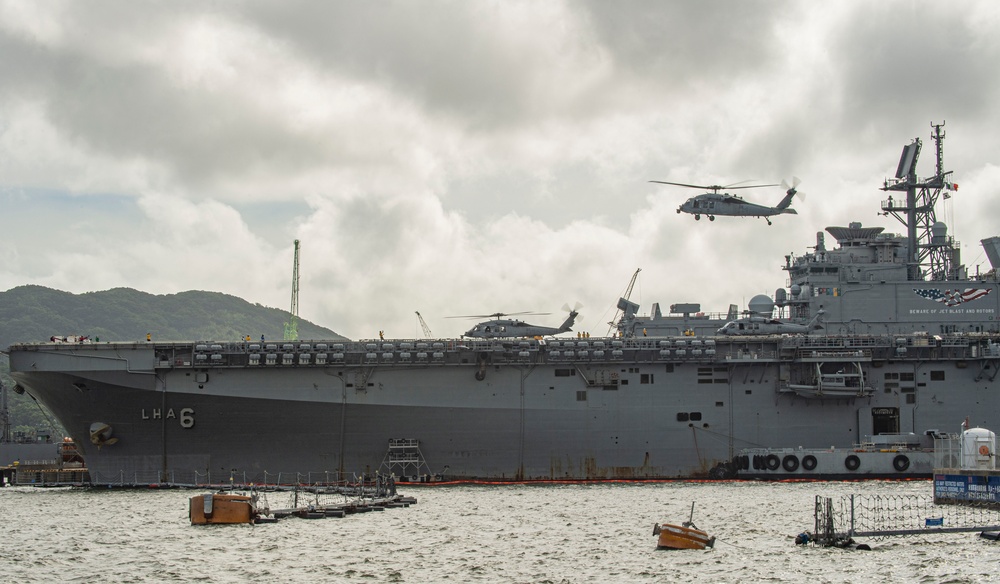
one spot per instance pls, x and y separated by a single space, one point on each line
574 315
790 191
793 188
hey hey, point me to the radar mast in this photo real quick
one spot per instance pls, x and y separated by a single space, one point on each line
930 250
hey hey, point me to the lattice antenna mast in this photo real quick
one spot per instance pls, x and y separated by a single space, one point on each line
292 327
930 250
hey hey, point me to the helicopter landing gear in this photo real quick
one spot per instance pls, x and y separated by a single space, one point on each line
711 217
768 220
697 217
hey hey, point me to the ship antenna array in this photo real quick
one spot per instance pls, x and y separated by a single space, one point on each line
929 249
292 326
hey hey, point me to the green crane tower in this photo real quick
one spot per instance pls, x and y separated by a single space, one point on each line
292 326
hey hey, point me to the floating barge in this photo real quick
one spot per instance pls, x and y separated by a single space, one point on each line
884 456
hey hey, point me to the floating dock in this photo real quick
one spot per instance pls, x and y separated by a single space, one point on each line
267 505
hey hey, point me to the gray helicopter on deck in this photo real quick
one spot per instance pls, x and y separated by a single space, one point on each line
759 322
716 203
509 328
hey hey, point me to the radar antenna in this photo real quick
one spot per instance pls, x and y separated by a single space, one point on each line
292 326
930 250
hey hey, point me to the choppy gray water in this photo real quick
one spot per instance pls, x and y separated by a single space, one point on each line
557 533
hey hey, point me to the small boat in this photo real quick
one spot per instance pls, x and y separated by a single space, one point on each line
222 508
686 536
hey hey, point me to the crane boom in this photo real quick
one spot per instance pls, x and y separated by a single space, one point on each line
628 295
292 326
423 325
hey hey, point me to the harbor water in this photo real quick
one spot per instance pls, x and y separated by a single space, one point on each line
511 533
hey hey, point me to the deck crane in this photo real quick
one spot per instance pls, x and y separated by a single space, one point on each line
292 326
423 325
627 297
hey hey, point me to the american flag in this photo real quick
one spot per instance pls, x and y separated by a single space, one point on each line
952 297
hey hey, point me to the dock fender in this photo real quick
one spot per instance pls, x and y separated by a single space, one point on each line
852 462
809 462
790 463
901 462
772 462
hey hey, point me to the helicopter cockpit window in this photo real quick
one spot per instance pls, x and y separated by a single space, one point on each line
503 329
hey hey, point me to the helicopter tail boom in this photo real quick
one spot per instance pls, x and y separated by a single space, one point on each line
568 323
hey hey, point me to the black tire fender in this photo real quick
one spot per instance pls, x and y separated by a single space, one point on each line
852 462
809 462
790 463
901 462
772 462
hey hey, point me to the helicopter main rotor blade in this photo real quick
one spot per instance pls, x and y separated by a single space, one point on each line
500 314
663 182
749 186
715 188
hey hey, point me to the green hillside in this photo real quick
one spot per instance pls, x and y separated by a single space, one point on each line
37 313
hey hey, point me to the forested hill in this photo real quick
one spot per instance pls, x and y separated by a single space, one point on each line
36 313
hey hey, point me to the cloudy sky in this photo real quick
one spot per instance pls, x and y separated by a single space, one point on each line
471 157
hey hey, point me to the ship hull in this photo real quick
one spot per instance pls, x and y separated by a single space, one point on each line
148 413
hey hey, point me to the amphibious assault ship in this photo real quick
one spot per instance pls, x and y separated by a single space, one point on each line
907 342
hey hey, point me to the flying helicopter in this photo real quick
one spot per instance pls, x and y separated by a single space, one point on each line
507 328
756 324
716 203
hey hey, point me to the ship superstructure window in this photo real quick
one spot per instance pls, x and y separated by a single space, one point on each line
906 376
683 417
646 378
695 416
565 372
937 375
581 395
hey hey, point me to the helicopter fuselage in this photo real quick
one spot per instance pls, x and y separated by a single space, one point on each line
725 204
506 328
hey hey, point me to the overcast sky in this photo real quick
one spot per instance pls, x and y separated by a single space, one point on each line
471 157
